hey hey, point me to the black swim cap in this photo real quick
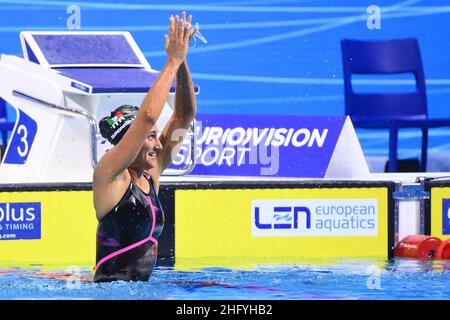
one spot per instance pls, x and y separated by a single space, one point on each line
114 126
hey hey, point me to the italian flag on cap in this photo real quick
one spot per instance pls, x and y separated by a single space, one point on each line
117 116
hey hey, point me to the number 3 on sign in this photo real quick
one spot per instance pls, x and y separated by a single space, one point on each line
22 130
21 140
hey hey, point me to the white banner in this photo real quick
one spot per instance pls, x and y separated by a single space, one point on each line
299 218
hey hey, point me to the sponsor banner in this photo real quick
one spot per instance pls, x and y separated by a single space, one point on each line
316 222
440 212
446 217
20 220
261 145
297 218
60 225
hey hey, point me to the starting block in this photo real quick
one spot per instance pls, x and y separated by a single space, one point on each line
64 84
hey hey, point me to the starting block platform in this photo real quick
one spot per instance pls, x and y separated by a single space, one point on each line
97 62
64 84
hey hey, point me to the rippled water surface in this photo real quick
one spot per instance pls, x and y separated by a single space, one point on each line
231 280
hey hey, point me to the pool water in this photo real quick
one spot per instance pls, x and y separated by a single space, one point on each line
197 280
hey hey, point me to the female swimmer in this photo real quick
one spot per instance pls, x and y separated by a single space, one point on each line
126 179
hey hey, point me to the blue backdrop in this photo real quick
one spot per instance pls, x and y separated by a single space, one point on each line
267 56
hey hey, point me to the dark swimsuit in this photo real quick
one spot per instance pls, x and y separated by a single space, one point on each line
127 236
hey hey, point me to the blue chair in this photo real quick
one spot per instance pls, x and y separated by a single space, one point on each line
5 125
388 110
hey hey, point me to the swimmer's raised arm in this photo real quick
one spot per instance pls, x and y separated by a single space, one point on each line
120 157
183 115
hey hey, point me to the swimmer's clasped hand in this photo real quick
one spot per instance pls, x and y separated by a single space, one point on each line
177 42
184 27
